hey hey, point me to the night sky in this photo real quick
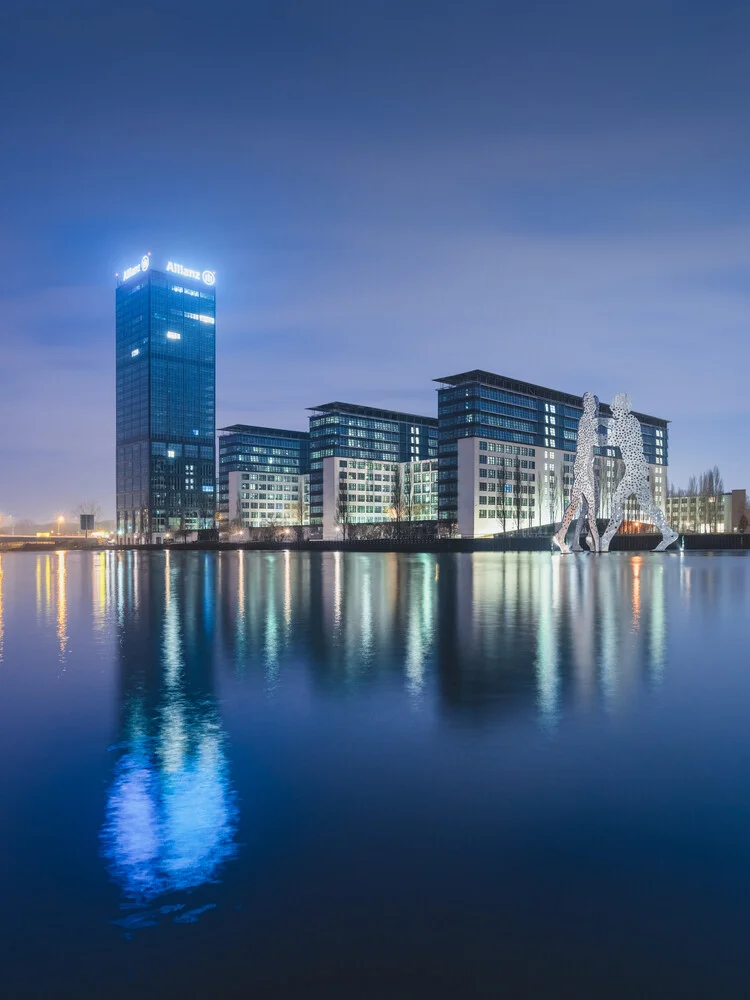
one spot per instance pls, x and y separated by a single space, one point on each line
388 192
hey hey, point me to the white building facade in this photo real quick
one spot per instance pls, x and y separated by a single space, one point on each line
507 450
363 492
263 499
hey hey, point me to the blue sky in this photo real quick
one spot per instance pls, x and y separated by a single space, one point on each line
388 192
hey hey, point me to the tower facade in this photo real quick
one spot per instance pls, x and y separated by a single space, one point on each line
166 400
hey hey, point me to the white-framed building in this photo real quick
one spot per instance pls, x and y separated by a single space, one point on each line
507 450
262 499
365 492
700 513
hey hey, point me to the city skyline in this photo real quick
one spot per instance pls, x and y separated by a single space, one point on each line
384 195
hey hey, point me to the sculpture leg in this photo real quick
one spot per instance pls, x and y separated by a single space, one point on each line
559 537
591 513
582 514
618 512
655 514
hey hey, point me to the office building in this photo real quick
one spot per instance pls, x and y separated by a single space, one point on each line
263 476
364 492
507 449
372 442
166 388
701 513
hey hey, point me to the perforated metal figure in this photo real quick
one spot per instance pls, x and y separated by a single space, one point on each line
584 485
583 525
625 434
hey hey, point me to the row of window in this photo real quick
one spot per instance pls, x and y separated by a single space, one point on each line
255 477
509 449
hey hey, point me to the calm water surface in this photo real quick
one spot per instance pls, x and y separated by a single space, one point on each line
349 775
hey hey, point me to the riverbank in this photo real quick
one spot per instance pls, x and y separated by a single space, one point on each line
507 543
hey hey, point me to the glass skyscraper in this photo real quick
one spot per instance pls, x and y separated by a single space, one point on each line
166 389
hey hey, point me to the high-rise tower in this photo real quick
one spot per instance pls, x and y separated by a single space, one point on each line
166 389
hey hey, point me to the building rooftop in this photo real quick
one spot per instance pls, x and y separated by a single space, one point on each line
372 411
252 429
530 389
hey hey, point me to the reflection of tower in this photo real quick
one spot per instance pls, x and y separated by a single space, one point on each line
171 815
62 607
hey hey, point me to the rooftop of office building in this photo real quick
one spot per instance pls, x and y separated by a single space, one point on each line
254 429
482 377
354 409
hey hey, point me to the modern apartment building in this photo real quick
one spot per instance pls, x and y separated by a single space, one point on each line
701 513
263 476
166 388
378 440
360 492
507 449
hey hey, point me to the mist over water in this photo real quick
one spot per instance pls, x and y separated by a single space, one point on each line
366 774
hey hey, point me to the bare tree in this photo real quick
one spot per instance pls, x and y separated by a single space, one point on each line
692 491
717 483
237 524
396 511
553 497
408 496
298 508
343 516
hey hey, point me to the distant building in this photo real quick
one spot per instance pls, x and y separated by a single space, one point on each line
371 442
166 389
507 450
263 476
703 514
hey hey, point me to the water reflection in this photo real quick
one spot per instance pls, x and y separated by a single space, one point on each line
62 607
483 632
171 812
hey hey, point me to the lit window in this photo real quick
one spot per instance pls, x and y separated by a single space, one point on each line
170 454
207 319
171 335
135 353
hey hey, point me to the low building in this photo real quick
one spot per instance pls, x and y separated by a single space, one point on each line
358 492
701 513
268 499
263 476
507 450
382 446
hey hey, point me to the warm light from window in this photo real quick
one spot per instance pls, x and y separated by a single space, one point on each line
171 335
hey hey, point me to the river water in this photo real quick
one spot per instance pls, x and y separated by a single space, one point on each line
368 775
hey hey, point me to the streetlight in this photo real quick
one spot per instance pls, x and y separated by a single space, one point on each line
60 521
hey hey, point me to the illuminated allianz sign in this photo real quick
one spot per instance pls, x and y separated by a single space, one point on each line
207 277
143 266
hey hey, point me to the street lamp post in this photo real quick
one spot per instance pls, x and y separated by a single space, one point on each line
59 522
